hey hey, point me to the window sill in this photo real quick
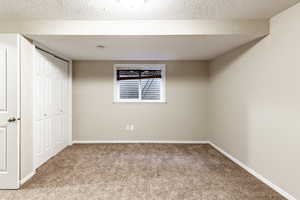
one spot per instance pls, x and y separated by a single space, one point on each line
140 102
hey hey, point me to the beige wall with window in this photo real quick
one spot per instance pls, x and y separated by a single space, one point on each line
182 118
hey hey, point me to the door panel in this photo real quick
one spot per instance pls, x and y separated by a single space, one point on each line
3 80
59 145
48 139
38 143
9 95
3 109
3 149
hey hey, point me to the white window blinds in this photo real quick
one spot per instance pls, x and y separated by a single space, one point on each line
151 86
129 84
139 84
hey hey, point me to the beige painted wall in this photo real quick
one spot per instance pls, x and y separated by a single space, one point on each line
183 118
255 103
26 57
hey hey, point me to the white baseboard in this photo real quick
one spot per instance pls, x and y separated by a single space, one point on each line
254 173
27 177
139 141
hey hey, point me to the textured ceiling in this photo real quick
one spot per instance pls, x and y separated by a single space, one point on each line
136 9
143 48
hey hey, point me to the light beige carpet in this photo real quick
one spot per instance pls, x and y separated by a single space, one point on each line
141 171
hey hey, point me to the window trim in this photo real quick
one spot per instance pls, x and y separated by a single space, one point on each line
116 95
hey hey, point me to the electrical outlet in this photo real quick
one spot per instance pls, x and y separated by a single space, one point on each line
127 128
131 127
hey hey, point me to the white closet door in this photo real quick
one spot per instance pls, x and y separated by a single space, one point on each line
50 131
9 125
61 105
48 76
39 109
65 102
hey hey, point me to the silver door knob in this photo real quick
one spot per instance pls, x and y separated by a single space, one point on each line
12 119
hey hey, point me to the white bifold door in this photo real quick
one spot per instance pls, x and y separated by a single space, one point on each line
50 106
9 106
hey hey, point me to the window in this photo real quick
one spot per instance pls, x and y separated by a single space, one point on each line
139 83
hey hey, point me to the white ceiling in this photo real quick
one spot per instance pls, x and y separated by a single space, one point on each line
143 48
133 9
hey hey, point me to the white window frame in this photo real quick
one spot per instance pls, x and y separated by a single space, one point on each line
161 67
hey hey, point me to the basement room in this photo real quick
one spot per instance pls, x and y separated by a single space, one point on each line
149 100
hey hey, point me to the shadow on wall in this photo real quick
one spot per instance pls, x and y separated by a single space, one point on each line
229 107
230 58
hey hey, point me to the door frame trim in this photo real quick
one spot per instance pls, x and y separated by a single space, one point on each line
19 107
